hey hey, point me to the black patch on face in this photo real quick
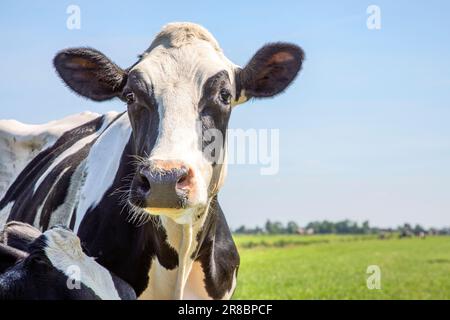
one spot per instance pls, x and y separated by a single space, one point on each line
214 113
143 114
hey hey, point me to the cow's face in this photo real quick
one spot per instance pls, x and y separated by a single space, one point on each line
52 266
180 95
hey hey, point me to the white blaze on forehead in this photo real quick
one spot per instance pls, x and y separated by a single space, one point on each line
64 251
178 63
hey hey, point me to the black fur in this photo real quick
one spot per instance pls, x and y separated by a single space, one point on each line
271 70
90 73
30 275
26 201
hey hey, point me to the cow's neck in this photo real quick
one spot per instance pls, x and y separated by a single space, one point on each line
187 244
184 239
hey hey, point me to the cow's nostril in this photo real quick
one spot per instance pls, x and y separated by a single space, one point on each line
144 183
183 180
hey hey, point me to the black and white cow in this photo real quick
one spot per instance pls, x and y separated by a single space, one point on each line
110 176
52 265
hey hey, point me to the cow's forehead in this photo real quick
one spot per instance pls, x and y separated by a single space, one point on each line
183 54
192 63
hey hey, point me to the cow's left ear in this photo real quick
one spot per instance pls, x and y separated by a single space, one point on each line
270 71
90 73
19 235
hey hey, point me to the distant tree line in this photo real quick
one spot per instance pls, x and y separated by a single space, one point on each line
340 227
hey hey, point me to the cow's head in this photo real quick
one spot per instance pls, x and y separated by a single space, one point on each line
52 265
180 95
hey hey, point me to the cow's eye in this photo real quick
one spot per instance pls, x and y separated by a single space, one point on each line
225 96
129 97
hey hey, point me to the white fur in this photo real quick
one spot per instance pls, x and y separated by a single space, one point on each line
195 286
76 147
64 252
4 214
161 284
60 216
101 166
20 143
174 284
39 210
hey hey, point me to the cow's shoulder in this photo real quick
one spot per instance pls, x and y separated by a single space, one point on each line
41 182
20 142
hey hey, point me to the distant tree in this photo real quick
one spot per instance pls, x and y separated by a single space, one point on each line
278 228
418 229
339 227
268 226
258 230
343 227
241 229
366 227
274 227
405 231
292 227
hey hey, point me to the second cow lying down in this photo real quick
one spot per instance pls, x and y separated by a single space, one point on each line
52 265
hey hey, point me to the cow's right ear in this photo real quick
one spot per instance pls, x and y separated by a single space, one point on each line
90 73
19 235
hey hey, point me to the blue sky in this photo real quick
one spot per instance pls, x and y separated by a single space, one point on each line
364 130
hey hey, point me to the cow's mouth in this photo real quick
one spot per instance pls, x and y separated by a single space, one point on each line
153 206
141 214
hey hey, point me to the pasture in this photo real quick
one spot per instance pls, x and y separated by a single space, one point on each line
334 267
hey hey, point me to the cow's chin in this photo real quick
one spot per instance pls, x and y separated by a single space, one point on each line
180 216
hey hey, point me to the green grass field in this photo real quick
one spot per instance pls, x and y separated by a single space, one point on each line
334 267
